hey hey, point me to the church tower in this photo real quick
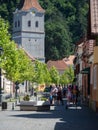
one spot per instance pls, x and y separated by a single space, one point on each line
28 28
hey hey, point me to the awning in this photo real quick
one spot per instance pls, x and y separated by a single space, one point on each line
85 70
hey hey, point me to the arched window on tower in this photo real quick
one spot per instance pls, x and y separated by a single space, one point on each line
18 23
15 24
36 24
29 23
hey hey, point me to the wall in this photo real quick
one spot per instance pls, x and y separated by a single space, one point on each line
95 54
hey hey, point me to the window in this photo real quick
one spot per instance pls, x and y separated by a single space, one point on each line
36 24
29 23
18 23
15 24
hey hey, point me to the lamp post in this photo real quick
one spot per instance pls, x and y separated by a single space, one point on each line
1 50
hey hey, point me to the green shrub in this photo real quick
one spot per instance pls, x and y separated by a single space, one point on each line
43 99
26 98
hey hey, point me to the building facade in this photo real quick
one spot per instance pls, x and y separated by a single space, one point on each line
28 28
93 12
78 63
86 71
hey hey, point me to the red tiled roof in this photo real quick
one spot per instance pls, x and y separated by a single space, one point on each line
59 64
69 60
28 4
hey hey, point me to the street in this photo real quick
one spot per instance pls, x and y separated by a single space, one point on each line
58 118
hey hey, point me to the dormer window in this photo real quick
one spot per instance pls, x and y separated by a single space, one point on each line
29 23
36 24
33 13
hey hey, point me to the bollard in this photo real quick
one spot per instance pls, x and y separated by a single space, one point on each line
4 105
15 102
19 99
13 106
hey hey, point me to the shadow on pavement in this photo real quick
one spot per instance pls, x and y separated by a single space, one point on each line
80 118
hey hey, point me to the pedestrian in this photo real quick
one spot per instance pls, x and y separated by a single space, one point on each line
74 91
51 99
59 95
64 91
69 97
77 94
54 91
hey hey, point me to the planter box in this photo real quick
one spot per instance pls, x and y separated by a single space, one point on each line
28 103
33 106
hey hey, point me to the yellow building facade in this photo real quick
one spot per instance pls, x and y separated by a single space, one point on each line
94 87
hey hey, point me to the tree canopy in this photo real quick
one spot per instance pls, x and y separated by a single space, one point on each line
15 63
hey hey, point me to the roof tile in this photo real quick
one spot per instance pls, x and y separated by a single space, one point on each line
28 4
59 64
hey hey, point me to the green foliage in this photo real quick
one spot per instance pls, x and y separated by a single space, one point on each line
66 23
26 98
41 73
64 79
54 74
44 76
57 40
68 76
43 99
15 63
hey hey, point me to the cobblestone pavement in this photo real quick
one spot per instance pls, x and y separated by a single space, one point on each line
58 118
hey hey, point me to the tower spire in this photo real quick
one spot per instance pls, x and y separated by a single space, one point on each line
28 4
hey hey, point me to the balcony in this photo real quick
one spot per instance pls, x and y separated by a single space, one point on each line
95 54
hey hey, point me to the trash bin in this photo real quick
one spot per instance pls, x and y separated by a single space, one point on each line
4 105
35 94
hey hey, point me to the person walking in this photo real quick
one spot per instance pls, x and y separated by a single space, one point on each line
75 93
69 97
54 91
59 95
64 91
51 99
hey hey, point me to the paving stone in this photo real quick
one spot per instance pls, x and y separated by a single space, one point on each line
58 118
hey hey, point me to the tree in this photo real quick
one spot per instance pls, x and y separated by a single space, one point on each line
15 63
69 75
41 73
7 7
54 74
64 79
58 40
47 78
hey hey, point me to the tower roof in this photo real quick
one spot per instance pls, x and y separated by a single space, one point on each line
28 4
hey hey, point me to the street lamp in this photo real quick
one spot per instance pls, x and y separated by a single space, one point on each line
1 50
